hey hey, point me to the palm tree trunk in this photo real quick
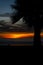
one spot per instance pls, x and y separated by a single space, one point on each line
37 38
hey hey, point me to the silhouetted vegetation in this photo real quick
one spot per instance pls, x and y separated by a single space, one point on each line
30 11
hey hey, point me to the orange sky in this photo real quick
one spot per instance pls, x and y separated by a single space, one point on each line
17 35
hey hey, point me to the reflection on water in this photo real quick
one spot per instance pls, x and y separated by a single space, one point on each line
17 41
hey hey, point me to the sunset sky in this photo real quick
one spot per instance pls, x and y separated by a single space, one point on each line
5 6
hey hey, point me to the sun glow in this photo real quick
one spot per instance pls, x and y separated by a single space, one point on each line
17 35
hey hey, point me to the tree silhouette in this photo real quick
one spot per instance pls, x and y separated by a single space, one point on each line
30 11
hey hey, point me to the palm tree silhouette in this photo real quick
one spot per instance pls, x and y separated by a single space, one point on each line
31 14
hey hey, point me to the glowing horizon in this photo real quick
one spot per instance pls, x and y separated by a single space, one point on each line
17 35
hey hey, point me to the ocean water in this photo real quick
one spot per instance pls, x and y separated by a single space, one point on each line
17 41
